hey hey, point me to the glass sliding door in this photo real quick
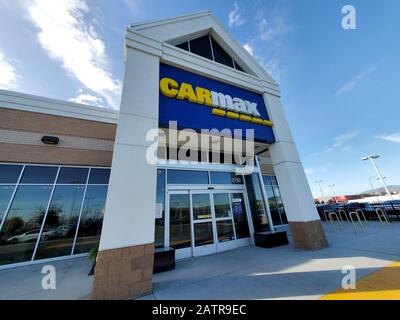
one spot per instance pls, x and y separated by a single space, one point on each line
203 224
224 221
180 229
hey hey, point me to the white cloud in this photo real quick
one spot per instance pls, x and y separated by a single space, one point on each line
8 75
273 28
88 99
309 170
65 35
249 48
341 140
352 84
235 18
394 137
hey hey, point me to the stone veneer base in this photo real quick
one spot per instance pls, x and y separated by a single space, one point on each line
123 273
308 235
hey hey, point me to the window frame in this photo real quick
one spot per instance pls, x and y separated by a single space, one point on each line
53 186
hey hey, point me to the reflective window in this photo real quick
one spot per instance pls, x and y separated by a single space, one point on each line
225 178
222 205
72 176
92 219
184 46
99 176
203 234
187 177
5 197
23 222
225 230
240 216
208 48
256 201
202 47
61 222
220 55
275 200
9 173
201 206
179 229
39 175
160 209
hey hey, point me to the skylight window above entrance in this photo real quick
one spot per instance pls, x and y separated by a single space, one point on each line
207 47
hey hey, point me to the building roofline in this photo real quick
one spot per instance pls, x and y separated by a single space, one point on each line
136 26
33 103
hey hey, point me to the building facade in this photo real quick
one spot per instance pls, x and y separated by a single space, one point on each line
198 158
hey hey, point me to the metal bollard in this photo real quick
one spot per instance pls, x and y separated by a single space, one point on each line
362 213
331 221
380 212
345 215
359 220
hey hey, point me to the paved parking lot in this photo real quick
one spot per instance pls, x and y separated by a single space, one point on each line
246 273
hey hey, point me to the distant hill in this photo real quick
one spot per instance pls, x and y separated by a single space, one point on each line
392 188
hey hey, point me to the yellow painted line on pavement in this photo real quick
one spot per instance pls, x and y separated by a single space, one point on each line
383 284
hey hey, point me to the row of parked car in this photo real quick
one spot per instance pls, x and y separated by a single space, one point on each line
392 209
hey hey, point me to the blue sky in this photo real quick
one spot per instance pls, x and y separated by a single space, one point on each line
340 87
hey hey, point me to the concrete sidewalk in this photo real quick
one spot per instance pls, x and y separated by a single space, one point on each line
246 273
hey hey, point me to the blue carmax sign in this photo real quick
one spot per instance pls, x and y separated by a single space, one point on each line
198 102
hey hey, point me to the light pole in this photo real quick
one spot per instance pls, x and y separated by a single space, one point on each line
331 186
373 188
320 188
372 158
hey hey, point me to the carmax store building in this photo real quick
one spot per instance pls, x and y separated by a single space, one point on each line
199 159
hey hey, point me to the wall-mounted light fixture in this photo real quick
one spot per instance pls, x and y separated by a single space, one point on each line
50 140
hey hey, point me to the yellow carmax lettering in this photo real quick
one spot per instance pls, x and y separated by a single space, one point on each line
169 87
186 92
204 96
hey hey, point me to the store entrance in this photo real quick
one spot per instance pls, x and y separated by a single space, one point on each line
203 222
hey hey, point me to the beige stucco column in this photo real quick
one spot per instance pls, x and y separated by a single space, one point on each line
125 262
304 221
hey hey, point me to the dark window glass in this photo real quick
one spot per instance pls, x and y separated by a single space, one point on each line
220 55
201 46
184 46
225 230
9 173
238 67
201 206
225 178
240 216
257 207
275 200
92 219
5 197
203 234
160 203
222 205
22 225
39 175
72 176
187 177
61 222
179 229
273 206
267 180
99 176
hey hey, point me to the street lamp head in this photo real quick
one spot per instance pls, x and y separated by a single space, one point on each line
370 157
318 181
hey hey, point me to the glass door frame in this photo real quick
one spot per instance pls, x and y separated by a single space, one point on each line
219 246
208 248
